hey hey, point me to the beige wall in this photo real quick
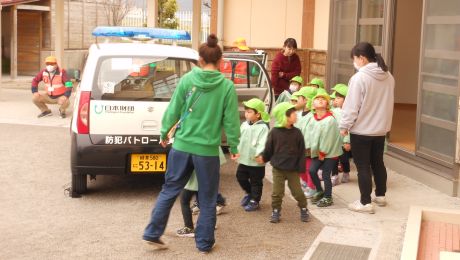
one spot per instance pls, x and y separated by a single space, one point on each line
406 50
263 23
321 35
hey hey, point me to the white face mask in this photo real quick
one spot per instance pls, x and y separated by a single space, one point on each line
50 68
356 65
293 88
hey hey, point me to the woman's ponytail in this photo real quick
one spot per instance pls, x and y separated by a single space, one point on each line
381 62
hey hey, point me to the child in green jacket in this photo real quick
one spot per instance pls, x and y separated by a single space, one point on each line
340 92
254 132
325 148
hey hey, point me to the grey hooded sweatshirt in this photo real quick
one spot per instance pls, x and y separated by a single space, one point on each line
368 107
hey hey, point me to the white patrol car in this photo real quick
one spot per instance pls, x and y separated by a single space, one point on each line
124 90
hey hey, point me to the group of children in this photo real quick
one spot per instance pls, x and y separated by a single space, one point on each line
305 139
305 142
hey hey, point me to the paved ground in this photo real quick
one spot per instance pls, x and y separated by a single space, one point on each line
41 221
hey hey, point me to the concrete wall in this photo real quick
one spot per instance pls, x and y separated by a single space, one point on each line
321 35
263 23
6 32
406 50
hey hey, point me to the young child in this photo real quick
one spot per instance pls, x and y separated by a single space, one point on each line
190 190
254 132
285 149
340 92
307 183
325 147
294 85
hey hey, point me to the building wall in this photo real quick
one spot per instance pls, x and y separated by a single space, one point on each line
263 23
321 34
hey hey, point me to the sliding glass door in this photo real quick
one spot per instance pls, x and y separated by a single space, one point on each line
439 81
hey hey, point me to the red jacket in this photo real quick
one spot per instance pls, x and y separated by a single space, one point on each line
290 66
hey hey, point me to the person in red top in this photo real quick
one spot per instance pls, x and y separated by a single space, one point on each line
58 88
285 66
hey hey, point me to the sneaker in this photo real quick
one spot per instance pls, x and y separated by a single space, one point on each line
252 206
304 215
275 218
380 201
335 180
43 114
325 202
194 208
61 113
245 200
156 244
320 174
345 177
185 232
358 207
317 196
219 208
309 193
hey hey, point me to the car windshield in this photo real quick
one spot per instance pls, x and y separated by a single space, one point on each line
139 78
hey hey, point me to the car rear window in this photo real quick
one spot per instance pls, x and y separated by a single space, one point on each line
139 78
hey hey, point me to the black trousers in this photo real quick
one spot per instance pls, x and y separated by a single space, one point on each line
327 165
251 179
344 159
185 199
368 158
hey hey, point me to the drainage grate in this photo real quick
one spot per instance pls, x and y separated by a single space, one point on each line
326 251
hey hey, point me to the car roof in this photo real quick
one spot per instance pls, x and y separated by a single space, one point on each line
147 49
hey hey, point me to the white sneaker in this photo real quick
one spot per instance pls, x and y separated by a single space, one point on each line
219 209
335 180
358 207
380 201
320 174
345 177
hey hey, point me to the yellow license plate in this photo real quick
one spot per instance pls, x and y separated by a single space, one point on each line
148 163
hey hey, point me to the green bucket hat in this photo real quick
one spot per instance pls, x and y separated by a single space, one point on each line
279 113
297 79
259 106
342 89
317 81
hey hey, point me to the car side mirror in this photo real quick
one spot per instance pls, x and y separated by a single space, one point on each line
74 74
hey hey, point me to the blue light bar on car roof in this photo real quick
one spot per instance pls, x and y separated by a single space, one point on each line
141 32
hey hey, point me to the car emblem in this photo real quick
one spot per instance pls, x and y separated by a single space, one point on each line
150 109
98 108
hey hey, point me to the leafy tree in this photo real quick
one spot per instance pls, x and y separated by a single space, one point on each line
167 14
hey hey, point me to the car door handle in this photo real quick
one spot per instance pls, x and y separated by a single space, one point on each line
149 125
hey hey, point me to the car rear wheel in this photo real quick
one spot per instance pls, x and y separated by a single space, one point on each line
79 185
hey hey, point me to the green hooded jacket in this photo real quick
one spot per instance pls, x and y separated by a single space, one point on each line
215 105
325 137
337 111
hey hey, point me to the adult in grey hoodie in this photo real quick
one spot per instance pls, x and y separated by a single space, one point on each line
367 115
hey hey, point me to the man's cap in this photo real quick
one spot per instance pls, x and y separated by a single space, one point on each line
317 81
297 79
279 113
50 59
240 43
342 89
259 106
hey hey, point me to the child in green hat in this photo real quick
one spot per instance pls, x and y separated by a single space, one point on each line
325 147
341 91
285 149
317 83
294 85
254 132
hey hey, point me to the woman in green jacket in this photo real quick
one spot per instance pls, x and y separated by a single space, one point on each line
203 103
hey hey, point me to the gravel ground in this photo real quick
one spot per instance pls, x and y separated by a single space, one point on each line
40 221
